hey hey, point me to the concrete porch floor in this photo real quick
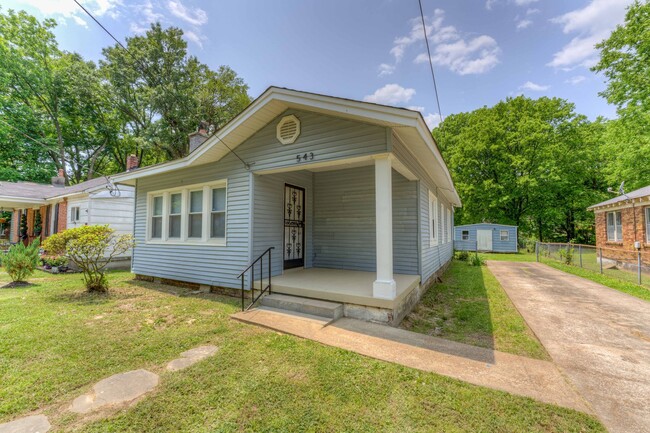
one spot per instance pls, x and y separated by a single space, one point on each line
340 285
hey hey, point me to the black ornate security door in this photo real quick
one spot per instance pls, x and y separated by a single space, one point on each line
294 226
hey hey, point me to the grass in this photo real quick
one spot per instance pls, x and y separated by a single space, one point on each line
470 306
56 341
623 281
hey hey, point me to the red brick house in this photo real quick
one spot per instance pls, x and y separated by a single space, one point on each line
623 223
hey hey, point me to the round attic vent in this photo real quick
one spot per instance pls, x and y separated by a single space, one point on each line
288 129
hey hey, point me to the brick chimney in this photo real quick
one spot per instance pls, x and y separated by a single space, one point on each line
132 162
197 138
59 181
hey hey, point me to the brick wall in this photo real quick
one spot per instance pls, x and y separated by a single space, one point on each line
15 226
624 251
63 216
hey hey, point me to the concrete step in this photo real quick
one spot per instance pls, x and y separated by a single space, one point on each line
314 307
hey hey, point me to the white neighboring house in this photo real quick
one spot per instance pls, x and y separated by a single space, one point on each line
94 202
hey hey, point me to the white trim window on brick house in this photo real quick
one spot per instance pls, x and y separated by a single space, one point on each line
504 235
433 219
614 226
647 225
193 214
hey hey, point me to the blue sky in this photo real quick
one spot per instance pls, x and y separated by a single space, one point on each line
483 50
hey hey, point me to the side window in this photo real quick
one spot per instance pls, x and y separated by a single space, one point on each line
433 219
505 235
74 214
465 235
218 213
156 217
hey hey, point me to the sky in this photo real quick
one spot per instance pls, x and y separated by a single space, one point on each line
483 51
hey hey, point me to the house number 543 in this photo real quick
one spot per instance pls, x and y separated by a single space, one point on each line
305 157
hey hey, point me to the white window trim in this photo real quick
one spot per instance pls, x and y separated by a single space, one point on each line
205 239
448 224
615 226
461 235
501 235
75 218
647 225
433 209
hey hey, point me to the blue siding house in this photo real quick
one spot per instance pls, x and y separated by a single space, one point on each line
354 199
498 238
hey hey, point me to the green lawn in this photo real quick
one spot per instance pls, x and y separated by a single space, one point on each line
471 307
56 341
620 280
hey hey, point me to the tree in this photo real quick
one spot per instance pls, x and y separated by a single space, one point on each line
23 226
91 248
624 60
38 224
21 261
531 163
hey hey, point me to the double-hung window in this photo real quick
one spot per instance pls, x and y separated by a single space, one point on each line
614 227
433 219
464 235
504 235
156 217
449 225
74 214
647 225
193 214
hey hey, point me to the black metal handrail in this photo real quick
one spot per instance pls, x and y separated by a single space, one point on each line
263 288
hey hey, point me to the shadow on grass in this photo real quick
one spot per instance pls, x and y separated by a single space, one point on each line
184 292
457 308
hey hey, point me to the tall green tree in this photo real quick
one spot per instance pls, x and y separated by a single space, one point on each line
625 62
532 163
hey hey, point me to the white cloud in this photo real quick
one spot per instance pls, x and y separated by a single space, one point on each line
592 24
67 9
195 37
525 2
523 24
576 80
532 11
475 56
196 17
386 69
432 120
489 4
391 94
529 85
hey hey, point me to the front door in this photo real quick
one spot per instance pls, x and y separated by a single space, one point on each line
294 226
484 240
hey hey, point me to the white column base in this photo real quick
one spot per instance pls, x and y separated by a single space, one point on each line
384 289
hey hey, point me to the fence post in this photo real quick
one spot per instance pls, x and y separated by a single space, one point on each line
638 267
601 260
537 250
580 253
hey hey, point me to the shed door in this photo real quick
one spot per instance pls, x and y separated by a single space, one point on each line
294 226
484 240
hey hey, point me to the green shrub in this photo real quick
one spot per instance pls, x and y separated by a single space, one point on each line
530 244
566 255
475 260
21 261
91 248
463 256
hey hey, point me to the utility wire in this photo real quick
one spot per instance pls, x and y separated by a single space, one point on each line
47 146
146 72
433 75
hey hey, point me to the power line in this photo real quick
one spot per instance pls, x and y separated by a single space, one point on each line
47 146
433 75
146 72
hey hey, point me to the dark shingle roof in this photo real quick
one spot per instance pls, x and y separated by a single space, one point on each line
637 193
41 192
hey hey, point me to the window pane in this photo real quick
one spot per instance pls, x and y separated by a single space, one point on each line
618 218
175 203
156 227
174 226
465 235
218 225
195 225
219 199
196 201
157 206
619 227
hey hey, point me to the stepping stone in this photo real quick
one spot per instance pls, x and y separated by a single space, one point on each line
191 357
117 389
30 424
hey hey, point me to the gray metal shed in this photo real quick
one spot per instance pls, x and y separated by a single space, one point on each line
498 238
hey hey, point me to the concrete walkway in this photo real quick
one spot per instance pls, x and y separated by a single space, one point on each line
599 337
515 374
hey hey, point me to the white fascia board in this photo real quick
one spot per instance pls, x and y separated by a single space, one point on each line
10 201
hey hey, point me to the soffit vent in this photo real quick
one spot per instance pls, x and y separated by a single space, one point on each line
288 129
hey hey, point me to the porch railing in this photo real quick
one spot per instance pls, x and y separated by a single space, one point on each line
250 270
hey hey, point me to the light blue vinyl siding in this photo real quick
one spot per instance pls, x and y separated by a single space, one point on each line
498 246
329 138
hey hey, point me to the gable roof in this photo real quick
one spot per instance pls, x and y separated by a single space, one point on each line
14 193
275 100
621 199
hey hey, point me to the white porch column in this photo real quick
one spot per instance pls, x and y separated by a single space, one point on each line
384 286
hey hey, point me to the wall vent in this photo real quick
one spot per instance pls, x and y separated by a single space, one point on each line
288 129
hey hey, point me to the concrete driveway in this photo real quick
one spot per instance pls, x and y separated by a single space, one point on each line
598 337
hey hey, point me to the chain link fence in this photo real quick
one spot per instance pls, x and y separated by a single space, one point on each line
626 265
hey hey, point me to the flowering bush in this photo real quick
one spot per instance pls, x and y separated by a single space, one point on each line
91 248
21 261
